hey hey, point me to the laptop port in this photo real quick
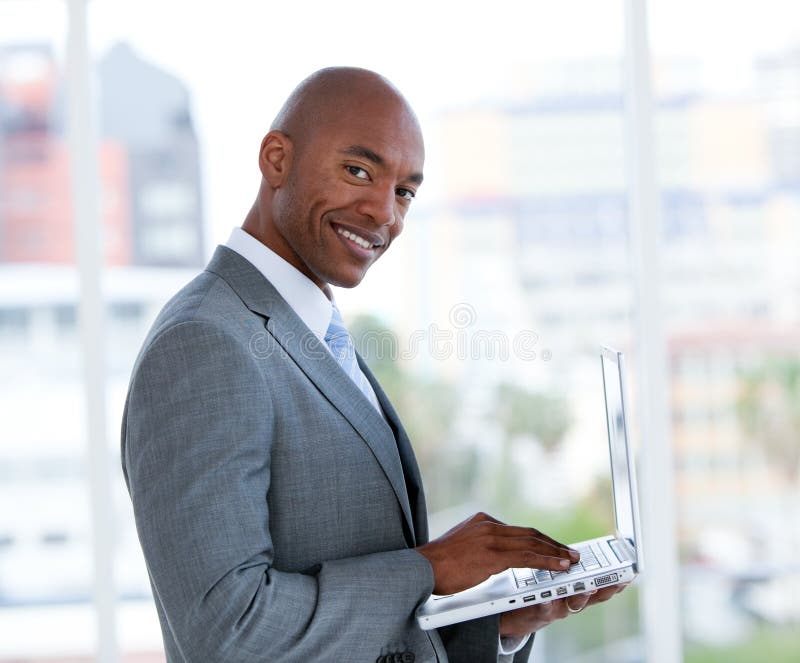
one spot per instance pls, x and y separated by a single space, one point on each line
532 597
606 579
579 587
547 594
561 591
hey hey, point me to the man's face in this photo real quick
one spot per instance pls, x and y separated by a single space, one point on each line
348 189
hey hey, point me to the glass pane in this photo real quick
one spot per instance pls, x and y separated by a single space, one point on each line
512 270
728 119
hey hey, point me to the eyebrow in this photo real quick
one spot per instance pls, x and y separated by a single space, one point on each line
377 159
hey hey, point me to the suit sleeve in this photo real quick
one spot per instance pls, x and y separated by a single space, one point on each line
196 456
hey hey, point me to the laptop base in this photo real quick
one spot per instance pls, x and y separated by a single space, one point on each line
503 592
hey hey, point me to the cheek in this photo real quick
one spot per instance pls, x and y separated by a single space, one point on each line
397 227
287 203
302 198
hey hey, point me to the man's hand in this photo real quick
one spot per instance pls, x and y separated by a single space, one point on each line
519 623
481 546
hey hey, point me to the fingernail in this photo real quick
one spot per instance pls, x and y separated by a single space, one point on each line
564 563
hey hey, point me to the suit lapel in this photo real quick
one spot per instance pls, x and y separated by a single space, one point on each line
413 479
317 363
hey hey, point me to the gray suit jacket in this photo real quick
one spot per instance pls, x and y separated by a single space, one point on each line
275 507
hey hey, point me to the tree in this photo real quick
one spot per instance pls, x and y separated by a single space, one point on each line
523 414
544 417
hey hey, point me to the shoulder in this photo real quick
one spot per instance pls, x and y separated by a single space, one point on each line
207 300
206 320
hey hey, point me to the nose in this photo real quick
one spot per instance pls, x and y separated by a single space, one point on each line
379 204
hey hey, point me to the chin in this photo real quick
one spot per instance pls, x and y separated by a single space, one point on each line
343 275
346 282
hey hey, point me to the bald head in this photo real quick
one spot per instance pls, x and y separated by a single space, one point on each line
334 94
340 168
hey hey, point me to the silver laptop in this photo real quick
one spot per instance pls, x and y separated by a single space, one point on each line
609 560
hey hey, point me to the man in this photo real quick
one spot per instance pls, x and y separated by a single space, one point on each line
277 497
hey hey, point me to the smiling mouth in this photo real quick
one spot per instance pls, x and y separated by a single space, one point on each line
356 239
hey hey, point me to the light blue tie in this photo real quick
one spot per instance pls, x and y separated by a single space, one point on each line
341 344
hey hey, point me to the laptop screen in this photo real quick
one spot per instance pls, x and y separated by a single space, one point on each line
623 480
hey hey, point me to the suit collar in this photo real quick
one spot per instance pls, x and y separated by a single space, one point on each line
317 363
311 304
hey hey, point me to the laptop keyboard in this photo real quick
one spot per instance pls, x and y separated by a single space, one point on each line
592 558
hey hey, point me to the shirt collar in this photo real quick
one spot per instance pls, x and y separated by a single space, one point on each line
300 292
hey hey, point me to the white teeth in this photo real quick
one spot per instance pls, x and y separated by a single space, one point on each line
354 238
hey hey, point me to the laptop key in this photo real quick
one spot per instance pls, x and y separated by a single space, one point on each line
523 577
619 550
600 556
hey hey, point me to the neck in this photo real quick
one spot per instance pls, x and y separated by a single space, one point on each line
257 224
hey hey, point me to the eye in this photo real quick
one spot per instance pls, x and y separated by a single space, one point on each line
357 171
406 194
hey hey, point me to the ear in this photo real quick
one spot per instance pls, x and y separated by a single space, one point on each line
275 158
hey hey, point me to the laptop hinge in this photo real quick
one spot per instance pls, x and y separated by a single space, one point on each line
624 549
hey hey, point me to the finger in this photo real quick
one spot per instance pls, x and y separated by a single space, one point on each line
513 530
606 593
518 555
549 539
615 589
496 560
578 602
529 532
571 552
533 560
528 543
523 621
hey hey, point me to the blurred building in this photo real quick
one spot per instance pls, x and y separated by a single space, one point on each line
536 227
547 174
36 222
151 210
147 110
721 468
